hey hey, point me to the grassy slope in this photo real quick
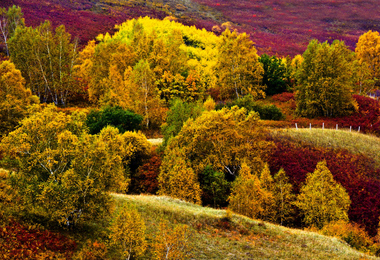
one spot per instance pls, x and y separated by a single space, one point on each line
354 142
245 239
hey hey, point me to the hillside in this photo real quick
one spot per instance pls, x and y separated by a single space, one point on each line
282 27
242 238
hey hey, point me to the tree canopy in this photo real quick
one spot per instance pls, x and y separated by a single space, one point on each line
325 80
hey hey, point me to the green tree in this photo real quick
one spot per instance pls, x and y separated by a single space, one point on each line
46 60
240 72
9 21
322 199
274 77
215 188
128 231
178 114
14 97
61 170
114 116
326 80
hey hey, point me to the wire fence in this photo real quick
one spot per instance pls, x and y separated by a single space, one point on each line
336 127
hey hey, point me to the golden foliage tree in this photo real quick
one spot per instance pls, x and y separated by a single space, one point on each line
14 97
368 54
322 199
284 198
172 243
128 232
63 171
247 195
223 139
368 51
325 79
240 72
177 179
268 203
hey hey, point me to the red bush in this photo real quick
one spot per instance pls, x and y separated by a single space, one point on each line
283 97
368 116
23 242
354 172
146 177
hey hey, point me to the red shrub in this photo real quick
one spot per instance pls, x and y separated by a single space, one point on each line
146 177
354 172
23 242
368 116
283 97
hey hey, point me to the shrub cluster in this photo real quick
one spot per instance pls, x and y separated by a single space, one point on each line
266 112
123 120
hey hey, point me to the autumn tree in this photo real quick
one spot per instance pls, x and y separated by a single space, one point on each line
9 20
247 194
274 74
268 203
172 243
177 179
128 232
46 59
368 54
222 139
322 199
142 90
14 97
284 198
325 80
64 172
240 72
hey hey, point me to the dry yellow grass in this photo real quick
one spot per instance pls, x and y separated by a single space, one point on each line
241 238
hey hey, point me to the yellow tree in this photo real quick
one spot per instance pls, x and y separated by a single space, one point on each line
322 199
63 171
128 232
368 54
172 243
247 194
240 72
284 197
268 202
14 97
222 139
177 179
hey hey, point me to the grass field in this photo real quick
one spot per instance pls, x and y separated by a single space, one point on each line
354 142
241 238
